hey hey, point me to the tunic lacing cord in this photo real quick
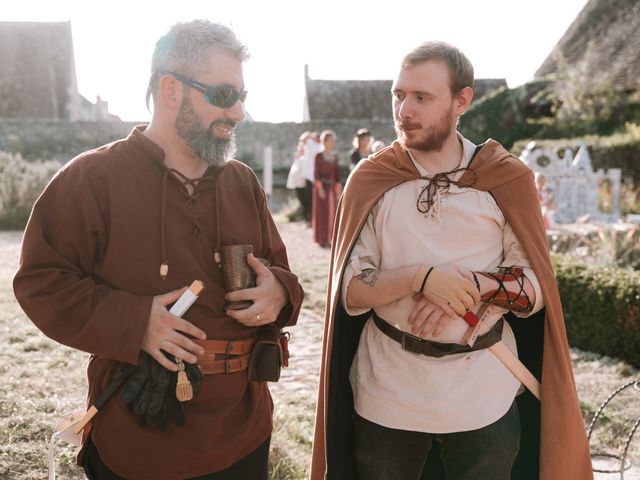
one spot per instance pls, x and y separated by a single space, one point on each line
191 197
431 193
164 266
216 251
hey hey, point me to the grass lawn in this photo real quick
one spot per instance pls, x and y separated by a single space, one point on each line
41 380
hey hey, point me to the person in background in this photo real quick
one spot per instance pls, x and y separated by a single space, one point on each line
295 179
150 215
326 189
311 148
377 146
546 199
361 147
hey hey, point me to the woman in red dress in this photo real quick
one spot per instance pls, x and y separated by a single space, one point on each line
326 190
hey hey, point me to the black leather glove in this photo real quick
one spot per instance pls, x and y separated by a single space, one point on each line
150 391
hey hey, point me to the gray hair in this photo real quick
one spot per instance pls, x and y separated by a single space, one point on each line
186 48
460 68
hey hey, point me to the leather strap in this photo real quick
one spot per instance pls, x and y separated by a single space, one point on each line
490 340
235 355
226 347
516 367
420 346
517 302
227 365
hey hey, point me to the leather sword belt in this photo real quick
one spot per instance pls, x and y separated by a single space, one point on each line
420 346
224 356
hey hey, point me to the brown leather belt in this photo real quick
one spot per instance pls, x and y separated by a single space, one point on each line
234 353
420 346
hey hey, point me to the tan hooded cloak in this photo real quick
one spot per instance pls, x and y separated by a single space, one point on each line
554 428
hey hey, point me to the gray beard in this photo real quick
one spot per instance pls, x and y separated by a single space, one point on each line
209 148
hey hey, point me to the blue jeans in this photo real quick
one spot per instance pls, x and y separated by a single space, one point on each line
484 454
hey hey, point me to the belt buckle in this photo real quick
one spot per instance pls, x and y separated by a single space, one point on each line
411 343
227 357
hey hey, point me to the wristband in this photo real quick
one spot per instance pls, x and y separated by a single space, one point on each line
420 278
475 279
424 282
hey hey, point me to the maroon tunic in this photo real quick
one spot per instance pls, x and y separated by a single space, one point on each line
89 268
326 174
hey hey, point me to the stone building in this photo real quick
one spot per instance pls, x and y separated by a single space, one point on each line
38 74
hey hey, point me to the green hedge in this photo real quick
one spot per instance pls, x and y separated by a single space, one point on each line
601 307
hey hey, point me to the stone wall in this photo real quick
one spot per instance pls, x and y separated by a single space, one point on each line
57 140
48 140
283 139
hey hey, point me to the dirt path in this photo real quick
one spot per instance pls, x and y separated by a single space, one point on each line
307 257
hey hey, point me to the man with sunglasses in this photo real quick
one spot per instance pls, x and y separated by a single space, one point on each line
112 242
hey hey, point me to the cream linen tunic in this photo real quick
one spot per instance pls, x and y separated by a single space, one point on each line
402 390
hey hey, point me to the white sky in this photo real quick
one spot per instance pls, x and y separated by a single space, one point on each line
339 39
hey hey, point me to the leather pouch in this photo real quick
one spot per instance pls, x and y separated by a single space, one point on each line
270 353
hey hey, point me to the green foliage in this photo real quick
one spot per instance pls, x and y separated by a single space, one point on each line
584 103
20 185
501 115
570 103
603 110
601 307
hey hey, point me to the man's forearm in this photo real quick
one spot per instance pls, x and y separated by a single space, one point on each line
488 285
522 286
373 287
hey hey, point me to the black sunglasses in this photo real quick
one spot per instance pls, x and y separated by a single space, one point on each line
221 96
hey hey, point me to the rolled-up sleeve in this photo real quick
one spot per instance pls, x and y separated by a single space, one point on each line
364 255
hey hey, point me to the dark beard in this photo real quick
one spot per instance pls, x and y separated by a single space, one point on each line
434 137
213 150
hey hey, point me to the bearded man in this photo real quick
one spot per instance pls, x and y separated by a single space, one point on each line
116 236
440 279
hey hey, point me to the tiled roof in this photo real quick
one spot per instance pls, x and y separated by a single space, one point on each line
603 43
362 99
348 99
